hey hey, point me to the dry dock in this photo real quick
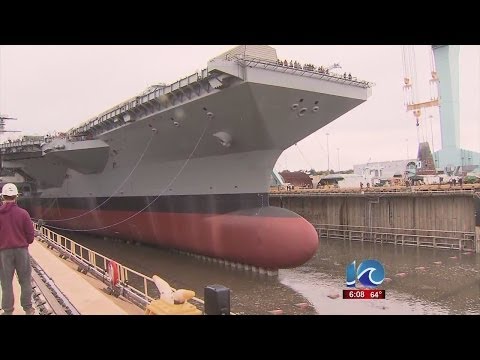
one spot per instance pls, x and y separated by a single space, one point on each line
441 218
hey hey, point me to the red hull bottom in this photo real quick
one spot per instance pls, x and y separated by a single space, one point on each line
270 237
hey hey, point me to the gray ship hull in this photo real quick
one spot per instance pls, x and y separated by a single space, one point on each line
192 170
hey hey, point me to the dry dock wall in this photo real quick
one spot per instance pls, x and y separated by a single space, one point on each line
431 211
477 209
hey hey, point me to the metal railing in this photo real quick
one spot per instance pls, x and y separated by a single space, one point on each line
136 287
20 143
427 189
276 66
450 239
153 92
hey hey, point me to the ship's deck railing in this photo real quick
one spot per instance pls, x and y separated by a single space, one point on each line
141 285
20 143
275 66
154 93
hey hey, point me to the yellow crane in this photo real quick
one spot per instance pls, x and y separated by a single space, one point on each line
412 101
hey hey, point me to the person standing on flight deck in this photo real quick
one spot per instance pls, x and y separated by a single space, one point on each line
16 234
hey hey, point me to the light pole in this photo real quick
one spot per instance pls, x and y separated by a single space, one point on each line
328 156
433 146
338 158
431 131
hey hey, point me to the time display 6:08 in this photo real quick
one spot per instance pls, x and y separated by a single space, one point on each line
368 294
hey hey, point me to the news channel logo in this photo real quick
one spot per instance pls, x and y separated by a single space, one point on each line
369 273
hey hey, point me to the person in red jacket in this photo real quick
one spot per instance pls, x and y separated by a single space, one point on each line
16 233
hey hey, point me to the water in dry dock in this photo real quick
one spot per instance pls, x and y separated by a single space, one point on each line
423 281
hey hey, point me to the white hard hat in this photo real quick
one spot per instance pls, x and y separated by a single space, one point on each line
9 190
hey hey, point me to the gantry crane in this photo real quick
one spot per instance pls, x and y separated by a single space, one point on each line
444 93
418 106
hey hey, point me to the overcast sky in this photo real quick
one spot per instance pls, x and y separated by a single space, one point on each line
52 88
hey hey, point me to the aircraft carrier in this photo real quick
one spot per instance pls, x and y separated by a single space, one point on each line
187 165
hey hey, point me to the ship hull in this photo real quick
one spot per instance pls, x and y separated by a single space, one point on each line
264 236
188 166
